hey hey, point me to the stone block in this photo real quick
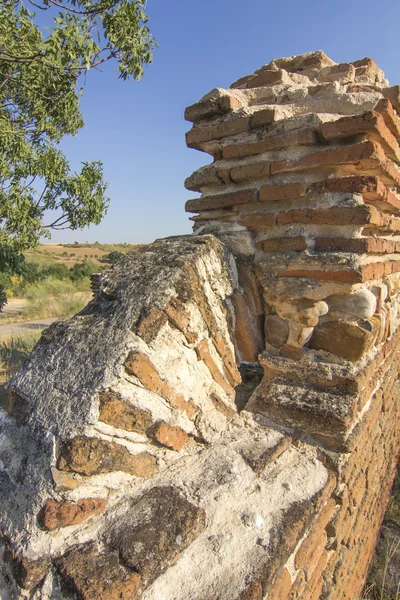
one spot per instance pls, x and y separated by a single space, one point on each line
168 435
90 575
347 340
27 573
119 412
61 514
155 531
91 456
221 200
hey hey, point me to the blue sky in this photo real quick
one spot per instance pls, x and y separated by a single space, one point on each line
138 129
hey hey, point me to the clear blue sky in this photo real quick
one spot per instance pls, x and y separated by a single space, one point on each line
138 130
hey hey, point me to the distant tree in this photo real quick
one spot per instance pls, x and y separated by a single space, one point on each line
40 92
83 269
114 257
58 271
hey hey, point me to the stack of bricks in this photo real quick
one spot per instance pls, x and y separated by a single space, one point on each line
305 165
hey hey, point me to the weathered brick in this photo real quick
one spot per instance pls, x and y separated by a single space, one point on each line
357 245
27 573
221 200
364 155
155 531
120 413
197 136
272 142
244 334
180 318
258 456
393 94
283 245
169 435
90 575
91 456
281 587
203 352
211 107
343 276
370 122
359 215
311 549
228 358
209 175
266 116
392 120
268 77
289 191
61 514
258 221
250 171
140 365
151 320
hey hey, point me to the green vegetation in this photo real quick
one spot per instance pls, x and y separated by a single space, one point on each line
14 351
56 298
40 90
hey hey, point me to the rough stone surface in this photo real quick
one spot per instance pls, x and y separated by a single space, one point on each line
91 456
86 573
61 514
163 524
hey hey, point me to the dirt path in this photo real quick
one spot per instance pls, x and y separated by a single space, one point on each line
21 328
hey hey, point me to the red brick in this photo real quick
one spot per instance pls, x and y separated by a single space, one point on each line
340 276
266 116
211 108
257 221
393 94
221 200
366 155
356 245
360 215
266 77
250 171
203 352
61 514
168 435
139 365
197 136
370 122
283 245
385 108
289 191
273 142
282 586
360 184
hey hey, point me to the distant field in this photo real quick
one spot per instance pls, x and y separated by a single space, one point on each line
69 254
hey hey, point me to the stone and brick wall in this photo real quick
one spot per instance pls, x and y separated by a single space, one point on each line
221 421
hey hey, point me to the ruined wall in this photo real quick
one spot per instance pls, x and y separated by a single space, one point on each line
221 421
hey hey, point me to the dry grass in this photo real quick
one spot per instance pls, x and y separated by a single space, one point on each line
14 350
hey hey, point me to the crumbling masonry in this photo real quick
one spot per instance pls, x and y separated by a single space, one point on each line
221 421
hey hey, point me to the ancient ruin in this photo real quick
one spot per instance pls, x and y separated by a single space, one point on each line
221 421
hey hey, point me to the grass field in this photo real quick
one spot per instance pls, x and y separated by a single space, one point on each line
69 254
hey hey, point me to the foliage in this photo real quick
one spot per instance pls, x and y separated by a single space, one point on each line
83 269
56 298
39 95
58 271
114 257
